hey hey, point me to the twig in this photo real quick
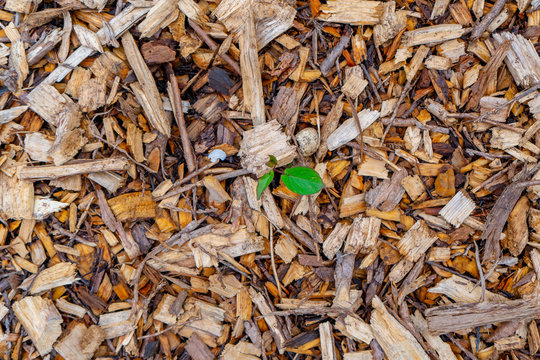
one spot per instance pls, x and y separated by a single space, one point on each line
487 19
480 272
273 260
357 120
220 177
404 92
176 101
330 61
212 45
370 81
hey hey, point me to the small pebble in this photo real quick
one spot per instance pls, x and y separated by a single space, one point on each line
308 141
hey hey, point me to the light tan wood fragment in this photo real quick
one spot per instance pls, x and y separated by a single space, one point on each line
439 8
328 350
116 324
349 129
216 190
443 349
16 197
48 172
522 60
41 320
363 235
92 94
352 12
80 342
57 275
271 320
69 308
261 142
414 186
163 313
395 340
88 38
335 239
431 35
458 209
391 24
243 350
463 291
226 286
21 6
251 72
146 90
272 18
456 317
354 327
163 13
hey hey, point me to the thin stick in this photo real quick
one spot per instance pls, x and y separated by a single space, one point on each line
357 120
176 101
273 260
221 177
480 272
212 45
371 84
404 92
185 180
329 62
487 19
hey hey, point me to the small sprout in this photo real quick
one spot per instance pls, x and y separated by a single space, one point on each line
302 180
217 155
272 162
299 179
264 181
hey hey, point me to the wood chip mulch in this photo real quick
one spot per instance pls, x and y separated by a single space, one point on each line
132 135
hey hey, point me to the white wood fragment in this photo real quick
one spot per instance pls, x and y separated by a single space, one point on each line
458 209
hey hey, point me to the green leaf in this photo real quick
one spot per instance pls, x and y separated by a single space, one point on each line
272 162
302 180
264 181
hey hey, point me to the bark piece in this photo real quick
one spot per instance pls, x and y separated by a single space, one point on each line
456 317
197 349
388 194
517 233
41 320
